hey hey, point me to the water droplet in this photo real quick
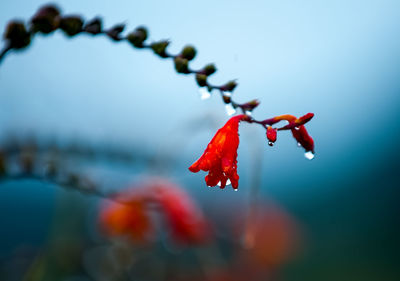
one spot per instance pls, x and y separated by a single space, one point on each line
230 110
247 112
228 182
309 155
227 94
270 143
235 189
298 144
204 93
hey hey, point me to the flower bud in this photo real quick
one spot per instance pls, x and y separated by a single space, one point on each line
227 99
201 80
46 20
93 26
271 134
188 52
115 31
209 69
71 25
181 65
249 106
17 35
304 119
229 87
137 37
159 48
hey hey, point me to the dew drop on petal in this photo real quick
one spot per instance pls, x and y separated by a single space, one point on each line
298 144
204 93
309 155
235 189
230 110
270 143
228 182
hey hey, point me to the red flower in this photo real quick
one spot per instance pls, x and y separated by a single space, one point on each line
186 222
303 138
128 219
296 125
130 214
271 135
219 158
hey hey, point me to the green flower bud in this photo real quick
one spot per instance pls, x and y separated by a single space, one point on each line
71 25
181 65
115 32
137 37
17 35
46 20
209 69
159 48
201 80
188 52
93 26
229 87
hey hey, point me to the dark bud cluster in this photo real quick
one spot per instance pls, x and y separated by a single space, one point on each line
71 25
188 52
249 106
208 69
201 79
137 37
181 65
16 35
46 19
160 48
115 32
229 87
93 27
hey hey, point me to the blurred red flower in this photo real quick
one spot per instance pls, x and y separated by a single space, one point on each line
219 158
129 214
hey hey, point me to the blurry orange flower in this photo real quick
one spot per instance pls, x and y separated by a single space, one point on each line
219 158
129 220
130 215
187 223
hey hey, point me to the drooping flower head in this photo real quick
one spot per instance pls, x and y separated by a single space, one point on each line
220 157
295 125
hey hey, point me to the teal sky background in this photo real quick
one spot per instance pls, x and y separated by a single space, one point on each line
337 59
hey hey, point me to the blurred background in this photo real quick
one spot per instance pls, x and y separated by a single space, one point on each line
337 59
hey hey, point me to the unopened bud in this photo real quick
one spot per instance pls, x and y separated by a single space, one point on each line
17 35
137 37
93 26
271 134
201 80
229 87
188 52
250 105
46 19
71 25
115 31
226 98
159 48
181 65
209 69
